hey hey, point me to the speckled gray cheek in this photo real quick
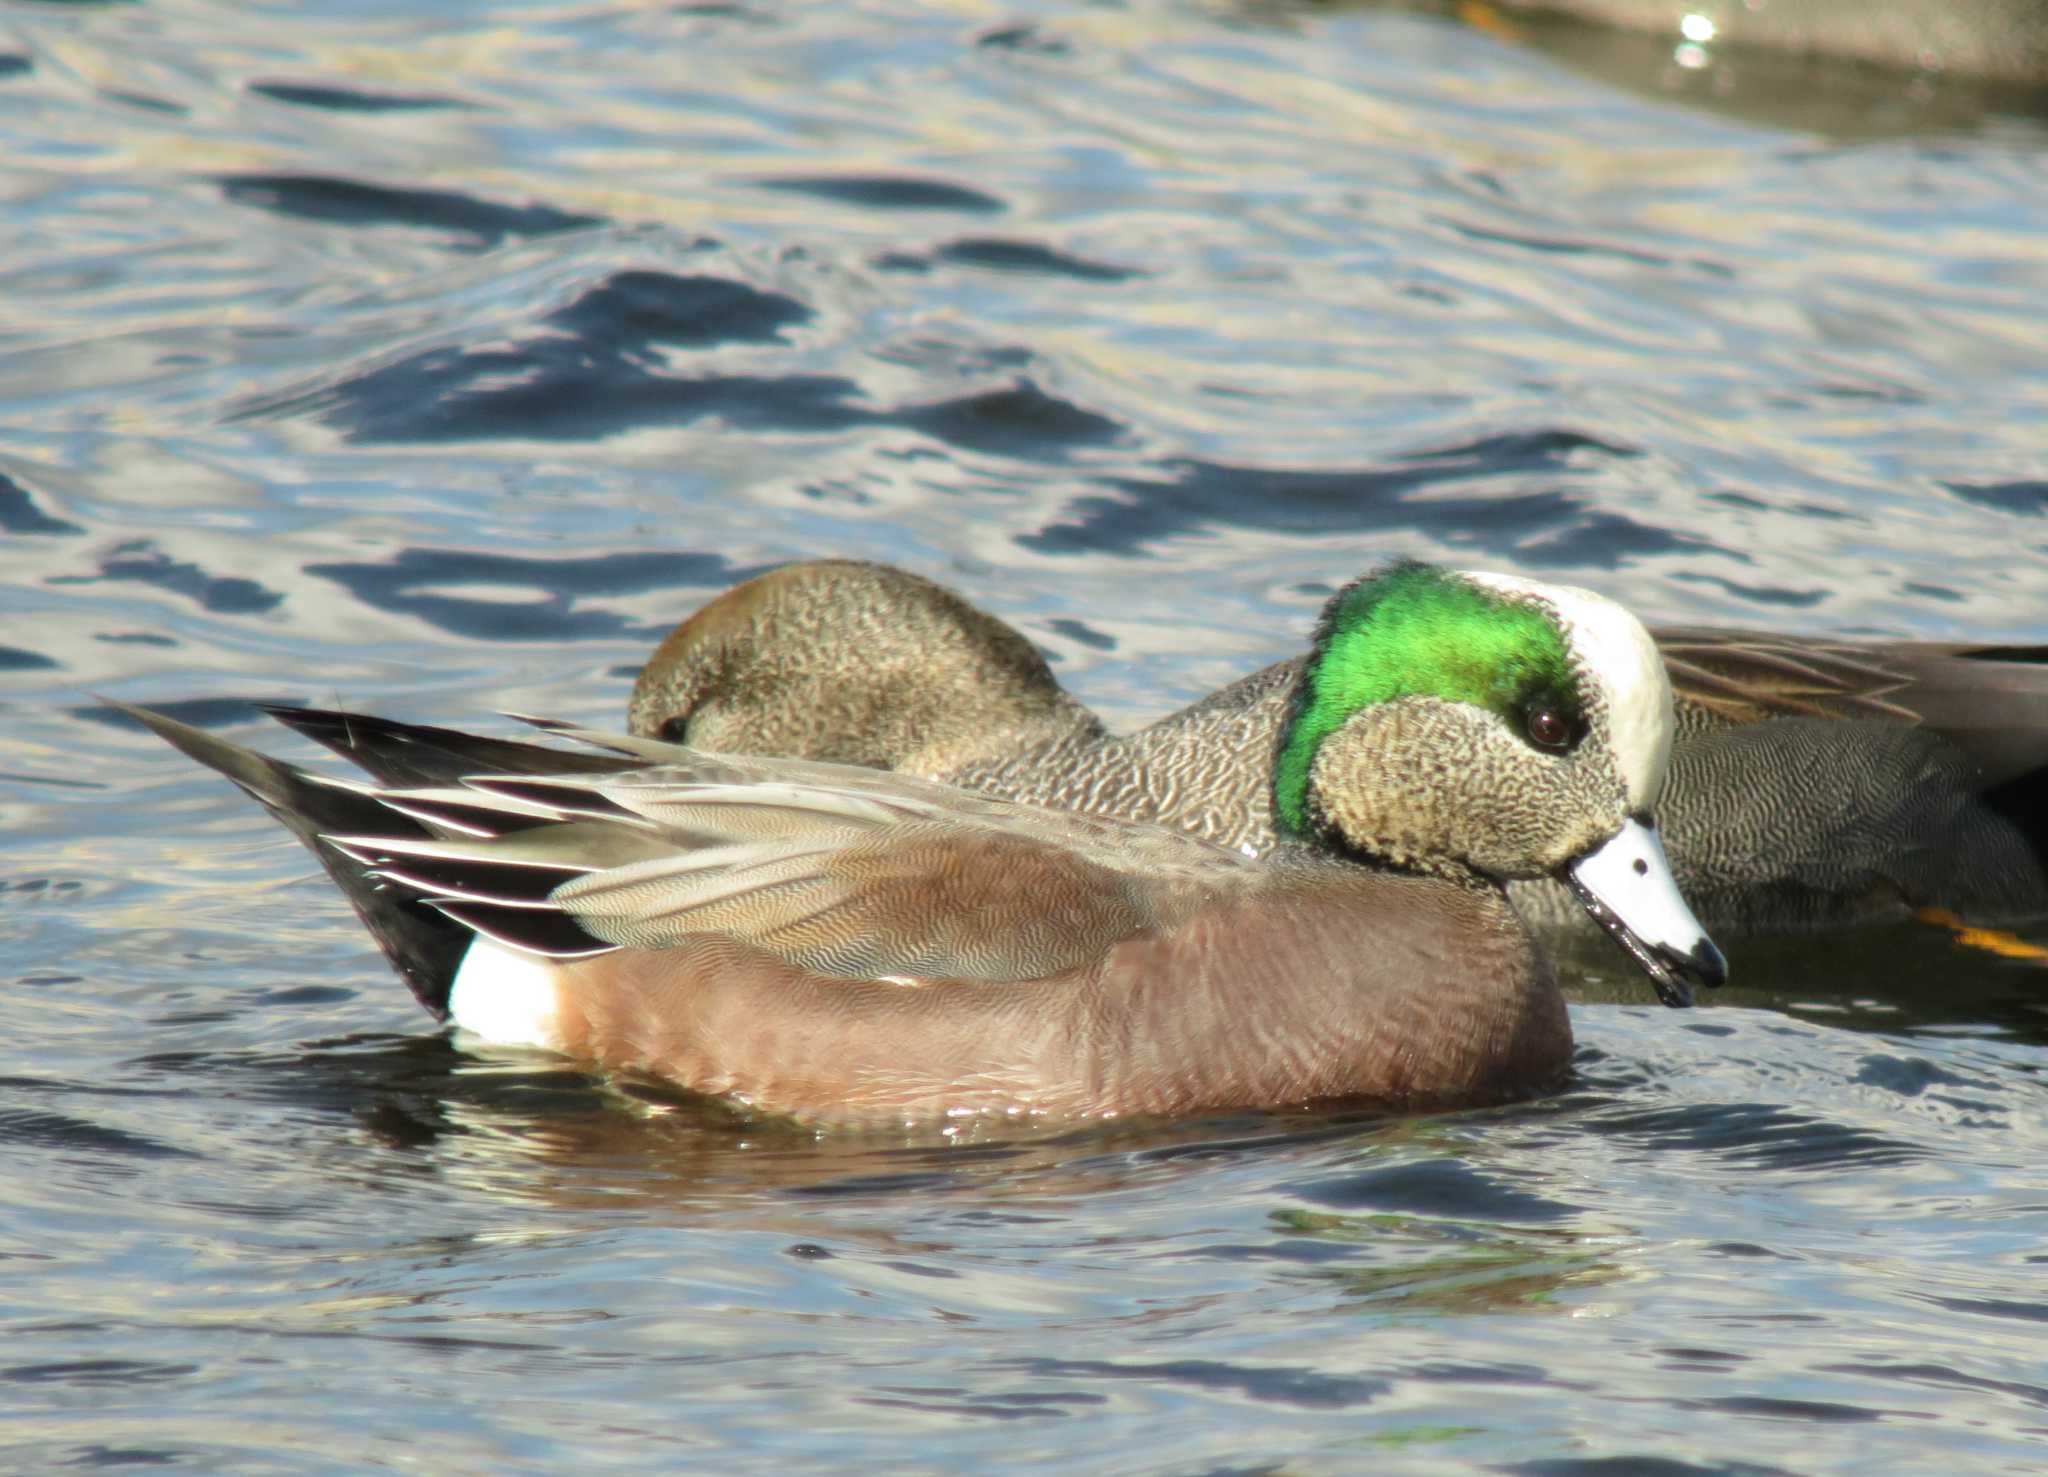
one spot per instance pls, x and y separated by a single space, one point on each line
1597 748
1600 786
1554 807
1533 811
1438 787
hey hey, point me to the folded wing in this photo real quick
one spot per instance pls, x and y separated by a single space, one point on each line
846 873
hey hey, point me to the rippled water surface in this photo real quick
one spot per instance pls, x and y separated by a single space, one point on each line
436 358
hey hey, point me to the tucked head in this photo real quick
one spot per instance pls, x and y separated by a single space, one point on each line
1459 724
854 663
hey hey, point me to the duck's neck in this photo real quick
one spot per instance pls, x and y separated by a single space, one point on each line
1208 768
1202 770
1428 869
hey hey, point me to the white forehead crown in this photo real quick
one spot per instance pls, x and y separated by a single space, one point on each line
1614 649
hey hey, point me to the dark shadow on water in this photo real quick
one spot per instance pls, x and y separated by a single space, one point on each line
887 192
1941 1377
349 99
19 513
601 366
139 563
399 1088
1579 246
1546 528
1020 421
1083 633
998 255
1639 1466
576 1137
201 712
24 1128
2027 498
984 1405
477 225
1300 1386
1755 1135
635 313
1776 595
1434 1187
555 390
1025 40
16 659
417 581
1883 979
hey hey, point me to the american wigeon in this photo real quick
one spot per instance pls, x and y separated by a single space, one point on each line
1813 783
840 943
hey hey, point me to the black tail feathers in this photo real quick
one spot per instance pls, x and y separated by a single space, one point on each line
424 945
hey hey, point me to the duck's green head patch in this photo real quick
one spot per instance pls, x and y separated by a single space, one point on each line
1414 630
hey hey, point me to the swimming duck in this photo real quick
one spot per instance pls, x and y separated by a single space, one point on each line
1813 783
839 943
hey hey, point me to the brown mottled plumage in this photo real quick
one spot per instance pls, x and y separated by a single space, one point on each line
1813 783
901 951
938 681
1264 996
844 943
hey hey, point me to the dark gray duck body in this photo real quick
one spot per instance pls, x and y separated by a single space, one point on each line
1813 784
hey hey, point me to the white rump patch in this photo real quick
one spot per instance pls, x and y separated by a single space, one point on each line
506 996
1624 660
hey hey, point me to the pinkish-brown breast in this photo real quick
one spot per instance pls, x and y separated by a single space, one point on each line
1383 989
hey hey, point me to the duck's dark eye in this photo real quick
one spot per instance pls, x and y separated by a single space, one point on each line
1549 728
676 730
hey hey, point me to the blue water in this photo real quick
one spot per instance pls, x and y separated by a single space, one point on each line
436 358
